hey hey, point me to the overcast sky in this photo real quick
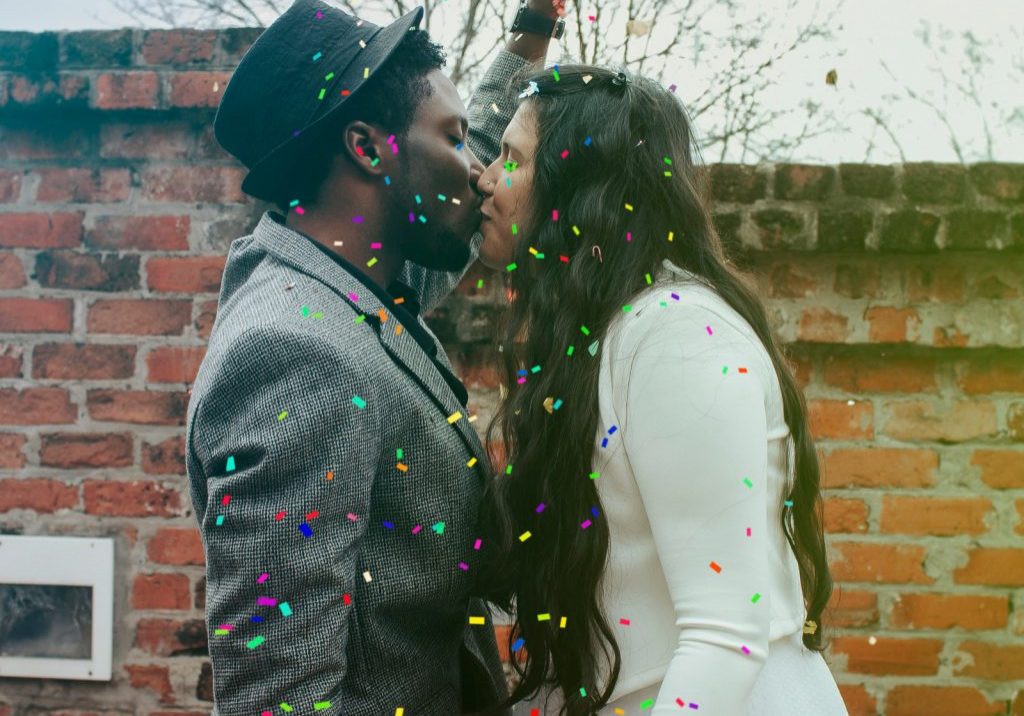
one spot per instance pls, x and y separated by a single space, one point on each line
873 31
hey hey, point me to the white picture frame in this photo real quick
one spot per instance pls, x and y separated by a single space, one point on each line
56 566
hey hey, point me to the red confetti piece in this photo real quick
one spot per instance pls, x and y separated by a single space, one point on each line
714 566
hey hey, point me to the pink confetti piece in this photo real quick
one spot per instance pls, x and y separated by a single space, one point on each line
476 545
416 529
351 517
709 330
266 601
565 153
463 566
262 578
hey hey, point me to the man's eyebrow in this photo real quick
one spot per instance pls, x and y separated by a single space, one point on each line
464 123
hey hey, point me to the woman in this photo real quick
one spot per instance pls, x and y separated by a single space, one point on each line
658 524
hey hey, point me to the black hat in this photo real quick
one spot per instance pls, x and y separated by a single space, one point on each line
297 73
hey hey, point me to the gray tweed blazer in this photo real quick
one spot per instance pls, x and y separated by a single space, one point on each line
336 482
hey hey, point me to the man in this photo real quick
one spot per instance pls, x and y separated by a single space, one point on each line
333 471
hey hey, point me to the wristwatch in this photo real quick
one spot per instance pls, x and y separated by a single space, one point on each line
528 20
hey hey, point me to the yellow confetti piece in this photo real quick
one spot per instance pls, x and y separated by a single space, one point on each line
525 536
561 624
477 620
544 617
575 229
472 462
670 235
402 466
454 417
629 207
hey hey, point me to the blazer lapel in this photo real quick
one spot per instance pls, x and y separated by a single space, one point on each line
295 250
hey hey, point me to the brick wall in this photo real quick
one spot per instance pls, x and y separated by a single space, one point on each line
897 288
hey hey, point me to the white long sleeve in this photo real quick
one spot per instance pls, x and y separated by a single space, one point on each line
694 430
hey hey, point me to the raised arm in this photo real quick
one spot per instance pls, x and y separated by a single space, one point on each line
695 432
490 110
288 456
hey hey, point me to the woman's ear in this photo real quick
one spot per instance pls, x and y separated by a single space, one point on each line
364 144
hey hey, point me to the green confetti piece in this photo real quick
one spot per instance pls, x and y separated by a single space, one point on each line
399 453
584 330
282 415
221 632
220 520
570 351
285 608
323 91
595 475
757 595
359 402
305 311
439 528
508 470
511 267
515 229
442 197
583 692
647 704
535 369
480 283
231 463
255 642
725 369
668 161
748 482
360 318
321 705
648 277
286 707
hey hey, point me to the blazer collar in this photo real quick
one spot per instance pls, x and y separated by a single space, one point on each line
295 250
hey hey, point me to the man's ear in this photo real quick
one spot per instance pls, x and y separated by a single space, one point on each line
364 146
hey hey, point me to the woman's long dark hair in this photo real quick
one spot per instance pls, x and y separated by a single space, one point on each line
628 142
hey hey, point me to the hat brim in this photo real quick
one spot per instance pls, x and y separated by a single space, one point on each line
264 179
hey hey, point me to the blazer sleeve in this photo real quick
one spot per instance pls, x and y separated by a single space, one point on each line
288 436
496 89
695 433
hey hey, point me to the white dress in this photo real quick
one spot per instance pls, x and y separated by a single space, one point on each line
702 589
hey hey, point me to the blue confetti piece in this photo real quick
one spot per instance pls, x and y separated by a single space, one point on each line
612 429
586 142
256 618
604 442
389 525
306 529
518 645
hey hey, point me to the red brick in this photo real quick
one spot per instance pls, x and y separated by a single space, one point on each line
161 591
41 231
845 515
174 364
992 373
994 566
143 317
940 421
205 318
994 662
888 656
857 700
914 700
137 406
152 677
127 90
37 494
178 46
71 450
141 233
945 611
10 185
880 374
887 324
10 361
47 91
789 281
852 608
170 637
36 406
89 272
185 274
819 325
35 141
216 184
198 89
940 283
131 499
12 274
12 455
83 185
874 562
938 516
860 280
155 141
839 420
164 458
80 361
879 467
177 546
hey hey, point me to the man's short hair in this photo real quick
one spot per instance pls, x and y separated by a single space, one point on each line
389 99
